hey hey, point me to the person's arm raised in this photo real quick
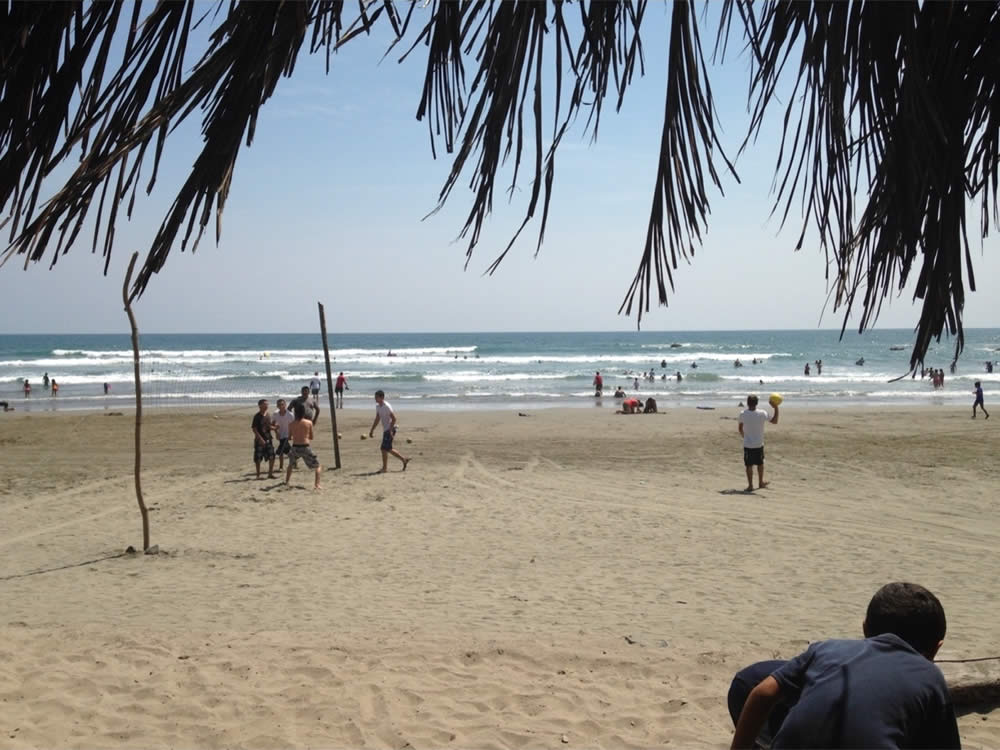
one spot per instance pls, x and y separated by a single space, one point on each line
774 419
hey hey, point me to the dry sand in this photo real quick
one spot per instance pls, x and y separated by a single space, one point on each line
570 578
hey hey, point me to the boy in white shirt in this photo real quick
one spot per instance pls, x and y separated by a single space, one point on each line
280 421
385 414
752 429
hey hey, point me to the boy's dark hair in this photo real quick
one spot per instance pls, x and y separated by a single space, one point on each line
380 394
909 611
299 409
751 400
262 401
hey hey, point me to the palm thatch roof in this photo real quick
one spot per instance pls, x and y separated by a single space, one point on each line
893 128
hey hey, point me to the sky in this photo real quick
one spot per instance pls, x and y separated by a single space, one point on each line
330 204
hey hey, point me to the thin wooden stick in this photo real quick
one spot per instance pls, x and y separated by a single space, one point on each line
138 403
329 388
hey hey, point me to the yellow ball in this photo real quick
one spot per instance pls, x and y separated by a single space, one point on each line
775 399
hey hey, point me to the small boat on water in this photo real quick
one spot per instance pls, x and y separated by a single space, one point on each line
896 348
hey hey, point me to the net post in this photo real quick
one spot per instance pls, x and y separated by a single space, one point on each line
329 387
138 403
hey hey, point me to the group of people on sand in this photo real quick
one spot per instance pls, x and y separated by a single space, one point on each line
632 405
293 425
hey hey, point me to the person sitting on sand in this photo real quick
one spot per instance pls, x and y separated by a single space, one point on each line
650 407
883 691
6 406
301 433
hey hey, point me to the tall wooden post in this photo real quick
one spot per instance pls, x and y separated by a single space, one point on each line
138 404
329 388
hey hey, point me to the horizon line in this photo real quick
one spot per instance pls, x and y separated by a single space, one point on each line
945 334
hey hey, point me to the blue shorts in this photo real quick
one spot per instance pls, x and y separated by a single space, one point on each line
387 439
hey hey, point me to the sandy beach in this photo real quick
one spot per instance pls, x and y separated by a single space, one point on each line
568 578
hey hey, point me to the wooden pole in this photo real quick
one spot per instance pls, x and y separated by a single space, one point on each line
329 388
138 403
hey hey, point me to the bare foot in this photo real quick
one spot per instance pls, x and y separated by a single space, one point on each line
405 462
764 484
749 488
317 488
382 471
271 476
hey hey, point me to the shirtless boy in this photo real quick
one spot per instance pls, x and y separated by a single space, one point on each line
301 434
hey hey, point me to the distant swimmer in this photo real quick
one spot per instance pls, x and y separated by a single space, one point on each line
737 363
598 384
679 376
27 388
45 381
860 361
314 385
635 384
107 388
754 360
805 371
619 393
663 363
694 365
55 387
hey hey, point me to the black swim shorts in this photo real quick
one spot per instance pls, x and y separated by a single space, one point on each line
284 447
753 456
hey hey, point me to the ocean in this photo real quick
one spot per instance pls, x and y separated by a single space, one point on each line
494 370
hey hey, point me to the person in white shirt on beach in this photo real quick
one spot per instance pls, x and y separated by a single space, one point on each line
280 421
385 414
752 429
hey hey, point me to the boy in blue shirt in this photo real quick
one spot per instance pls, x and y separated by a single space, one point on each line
978 390
880 692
